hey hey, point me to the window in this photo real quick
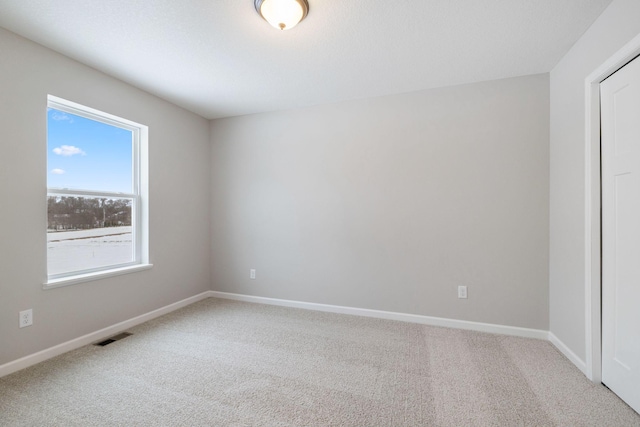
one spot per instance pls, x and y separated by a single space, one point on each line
96 194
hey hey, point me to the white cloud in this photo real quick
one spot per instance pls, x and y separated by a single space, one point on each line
59 116
57 171
67 150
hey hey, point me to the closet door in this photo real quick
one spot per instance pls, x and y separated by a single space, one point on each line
620 122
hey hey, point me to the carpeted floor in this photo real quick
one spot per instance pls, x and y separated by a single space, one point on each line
226 363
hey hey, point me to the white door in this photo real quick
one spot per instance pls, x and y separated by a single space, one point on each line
620 109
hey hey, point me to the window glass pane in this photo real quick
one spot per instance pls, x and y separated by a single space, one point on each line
85 154
88 232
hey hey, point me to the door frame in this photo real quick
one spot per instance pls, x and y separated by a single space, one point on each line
593 220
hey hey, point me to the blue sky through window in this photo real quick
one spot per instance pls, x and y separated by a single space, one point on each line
88 155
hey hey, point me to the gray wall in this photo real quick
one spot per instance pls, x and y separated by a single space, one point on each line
179 202
391 203
619 23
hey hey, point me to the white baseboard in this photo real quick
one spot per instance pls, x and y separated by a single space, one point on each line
48 353
580 364
59 349
403 317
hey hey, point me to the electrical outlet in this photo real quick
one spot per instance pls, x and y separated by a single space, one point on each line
26 318
252 273
462 291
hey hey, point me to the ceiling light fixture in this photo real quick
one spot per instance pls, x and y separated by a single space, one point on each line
282 14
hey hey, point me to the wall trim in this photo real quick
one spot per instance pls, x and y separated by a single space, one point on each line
592 226
32 359
389 315
568 353
41 356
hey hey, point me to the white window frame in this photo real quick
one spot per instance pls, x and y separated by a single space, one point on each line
139 196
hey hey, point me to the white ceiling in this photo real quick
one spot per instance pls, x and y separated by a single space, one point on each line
218 58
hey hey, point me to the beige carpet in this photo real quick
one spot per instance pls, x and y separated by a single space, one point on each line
225 363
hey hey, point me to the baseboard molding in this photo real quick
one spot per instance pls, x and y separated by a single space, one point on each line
403 317
566 351
32 359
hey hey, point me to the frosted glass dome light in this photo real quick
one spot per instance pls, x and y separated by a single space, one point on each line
282 14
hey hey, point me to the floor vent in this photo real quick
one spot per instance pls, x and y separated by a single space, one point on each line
113 339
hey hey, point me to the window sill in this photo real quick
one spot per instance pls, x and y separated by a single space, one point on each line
81 278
